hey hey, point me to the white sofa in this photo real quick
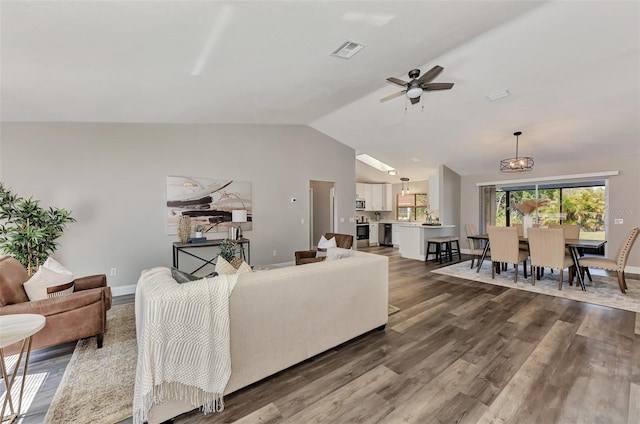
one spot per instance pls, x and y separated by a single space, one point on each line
283 316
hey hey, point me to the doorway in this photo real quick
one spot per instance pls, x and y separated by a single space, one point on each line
321 210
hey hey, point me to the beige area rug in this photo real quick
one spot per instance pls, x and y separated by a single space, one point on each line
97 386
392 309
602 291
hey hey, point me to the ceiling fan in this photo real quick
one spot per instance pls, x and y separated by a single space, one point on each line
417 86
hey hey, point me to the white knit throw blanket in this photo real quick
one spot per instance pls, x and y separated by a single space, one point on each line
184 350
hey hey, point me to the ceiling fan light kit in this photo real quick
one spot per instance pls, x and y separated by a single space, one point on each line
517 163
418 84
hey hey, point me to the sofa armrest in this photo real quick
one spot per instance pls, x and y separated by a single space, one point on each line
305 254
90 282
60 304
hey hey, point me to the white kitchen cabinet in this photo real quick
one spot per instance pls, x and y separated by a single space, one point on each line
395 235
360 190
368 197
386 197
373 234
376 197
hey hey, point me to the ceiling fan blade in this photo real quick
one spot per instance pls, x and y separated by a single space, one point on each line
437 86
393 96
414 101
431 74
397 81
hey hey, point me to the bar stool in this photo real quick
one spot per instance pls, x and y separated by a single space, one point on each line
454 250
438 243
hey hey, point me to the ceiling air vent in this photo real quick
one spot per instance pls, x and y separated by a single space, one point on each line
347 50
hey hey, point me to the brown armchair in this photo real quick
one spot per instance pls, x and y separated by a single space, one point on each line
344 241
80 314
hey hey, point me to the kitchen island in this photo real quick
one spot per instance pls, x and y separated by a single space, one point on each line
414 236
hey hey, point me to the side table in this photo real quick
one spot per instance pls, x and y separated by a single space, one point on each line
186 247
14 328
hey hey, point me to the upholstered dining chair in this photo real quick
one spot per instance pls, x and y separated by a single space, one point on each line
475 246
546 247
570 231
505 247
616 264
520 229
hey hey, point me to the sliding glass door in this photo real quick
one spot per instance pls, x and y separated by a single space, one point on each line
575 203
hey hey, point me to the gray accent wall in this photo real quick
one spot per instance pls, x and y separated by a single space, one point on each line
113 178
623 195
449 197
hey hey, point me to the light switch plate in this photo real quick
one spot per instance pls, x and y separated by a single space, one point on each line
618 221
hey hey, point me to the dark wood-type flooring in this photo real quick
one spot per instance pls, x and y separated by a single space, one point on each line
458 351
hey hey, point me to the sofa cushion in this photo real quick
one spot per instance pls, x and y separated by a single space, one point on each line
12 276
338 253
58 282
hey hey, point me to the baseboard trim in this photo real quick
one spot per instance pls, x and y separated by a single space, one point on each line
123 290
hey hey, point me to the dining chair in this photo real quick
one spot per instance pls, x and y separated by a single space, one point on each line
475 246
505 247
546 248
570 231
520 229
616 264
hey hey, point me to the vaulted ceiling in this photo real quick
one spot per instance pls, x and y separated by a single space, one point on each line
571 68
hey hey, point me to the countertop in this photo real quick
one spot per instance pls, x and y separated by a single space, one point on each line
430 227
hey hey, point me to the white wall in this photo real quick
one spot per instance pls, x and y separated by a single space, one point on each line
113 178
623 194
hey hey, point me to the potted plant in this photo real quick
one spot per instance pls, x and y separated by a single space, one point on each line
28 231
228 252
199 229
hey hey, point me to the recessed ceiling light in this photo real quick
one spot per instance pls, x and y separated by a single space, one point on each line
347 50
375 163
498 95
416 159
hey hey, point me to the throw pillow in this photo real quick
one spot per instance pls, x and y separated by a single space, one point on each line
223 267
324 244
181 276
56 266
338 253
47 283
244 268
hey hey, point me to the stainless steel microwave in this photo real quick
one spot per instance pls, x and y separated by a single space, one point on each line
359 204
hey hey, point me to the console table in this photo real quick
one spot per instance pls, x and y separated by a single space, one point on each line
186 247
15 328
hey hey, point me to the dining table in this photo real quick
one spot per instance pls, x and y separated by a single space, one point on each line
574 246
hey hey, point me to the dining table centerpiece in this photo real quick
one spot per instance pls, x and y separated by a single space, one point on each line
527 207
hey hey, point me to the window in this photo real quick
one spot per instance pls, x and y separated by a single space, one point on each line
412 207
575 203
